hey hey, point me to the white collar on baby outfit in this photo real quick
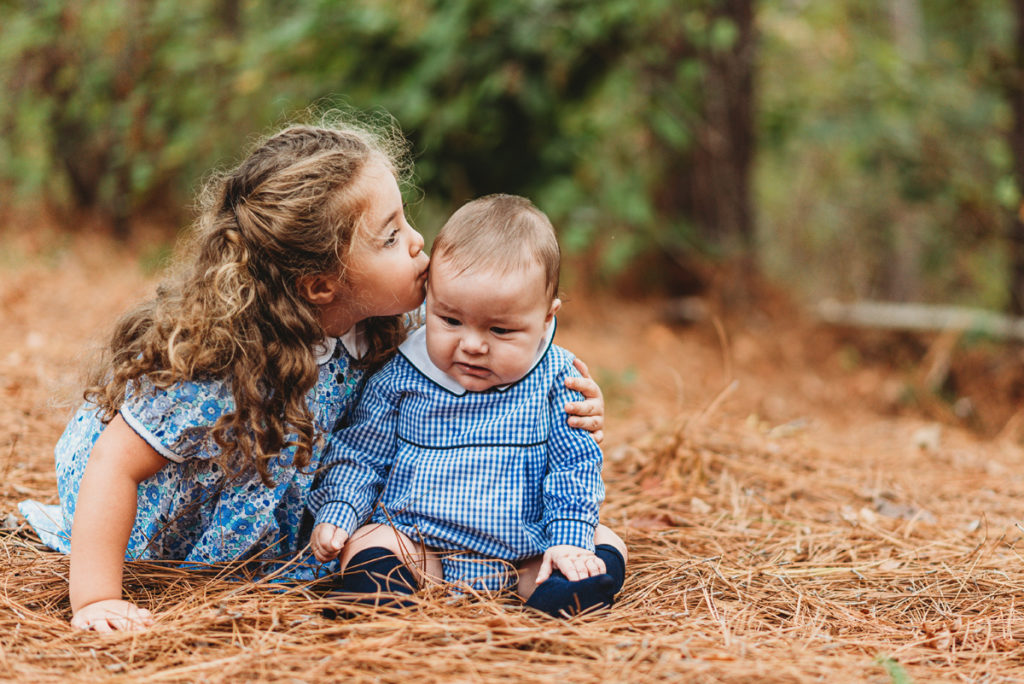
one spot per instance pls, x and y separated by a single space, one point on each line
353 341
414 349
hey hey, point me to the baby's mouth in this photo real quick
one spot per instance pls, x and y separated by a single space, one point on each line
471 369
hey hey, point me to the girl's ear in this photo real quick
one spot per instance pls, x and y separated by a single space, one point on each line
319 289
556 304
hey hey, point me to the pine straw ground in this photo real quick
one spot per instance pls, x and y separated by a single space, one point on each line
781 528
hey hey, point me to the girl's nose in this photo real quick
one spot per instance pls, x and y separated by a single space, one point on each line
416 244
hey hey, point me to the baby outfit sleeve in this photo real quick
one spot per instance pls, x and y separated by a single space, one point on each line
573 489
177 421
357 459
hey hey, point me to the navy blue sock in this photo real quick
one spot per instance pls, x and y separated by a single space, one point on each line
378 570
557 593
614 565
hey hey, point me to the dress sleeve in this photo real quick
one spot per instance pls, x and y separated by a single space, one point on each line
177 421
415 319
573 489
358 458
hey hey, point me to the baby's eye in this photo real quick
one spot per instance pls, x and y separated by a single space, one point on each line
451 321
391 239
501 331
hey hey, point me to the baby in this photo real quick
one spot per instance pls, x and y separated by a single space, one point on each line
460 437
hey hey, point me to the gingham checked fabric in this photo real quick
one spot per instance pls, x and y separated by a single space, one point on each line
499 472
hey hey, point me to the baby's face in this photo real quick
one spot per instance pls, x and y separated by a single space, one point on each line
485 329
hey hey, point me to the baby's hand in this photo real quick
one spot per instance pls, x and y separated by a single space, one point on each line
112 615
327 541
574 562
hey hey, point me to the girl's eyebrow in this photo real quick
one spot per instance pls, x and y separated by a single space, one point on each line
388 221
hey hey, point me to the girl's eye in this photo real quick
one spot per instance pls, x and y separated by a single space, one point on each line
391 239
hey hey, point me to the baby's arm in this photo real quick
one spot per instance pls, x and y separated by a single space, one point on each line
589 413
356 462
104 516
573 492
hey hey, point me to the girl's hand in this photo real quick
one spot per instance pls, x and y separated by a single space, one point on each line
327 541
574 562
112 615
587 414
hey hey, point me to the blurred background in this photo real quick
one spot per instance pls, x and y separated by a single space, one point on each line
863 149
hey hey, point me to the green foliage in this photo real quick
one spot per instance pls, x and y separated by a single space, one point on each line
897 673
884 168
575 104
109 104
578 104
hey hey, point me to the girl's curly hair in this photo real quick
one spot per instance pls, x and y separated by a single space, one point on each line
232 308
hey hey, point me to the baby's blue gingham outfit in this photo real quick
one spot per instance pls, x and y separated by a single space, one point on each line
497 475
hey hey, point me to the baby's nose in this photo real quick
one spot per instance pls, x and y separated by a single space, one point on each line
473 343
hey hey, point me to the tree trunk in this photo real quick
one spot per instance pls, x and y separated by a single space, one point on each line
230 14
1016 96
709 186
905 244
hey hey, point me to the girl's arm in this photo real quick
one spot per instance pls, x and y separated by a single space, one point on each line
104 516
587 414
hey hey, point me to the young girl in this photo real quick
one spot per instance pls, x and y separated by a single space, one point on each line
203 428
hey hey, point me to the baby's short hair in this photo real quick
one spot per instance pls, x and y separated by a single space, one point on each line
504 233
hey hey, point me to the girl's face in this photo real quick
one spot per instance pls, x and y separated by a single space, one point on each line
386 268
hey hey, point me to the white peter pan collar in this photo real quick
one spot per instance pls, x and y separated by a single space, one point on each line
414 349
353 342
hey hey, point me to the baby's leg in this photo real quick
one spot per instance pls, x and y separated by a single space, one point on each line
420 559
380 559
557 593
529 568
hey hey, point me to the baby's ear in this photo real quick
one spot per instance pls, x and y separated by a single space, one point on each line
556 304
319 289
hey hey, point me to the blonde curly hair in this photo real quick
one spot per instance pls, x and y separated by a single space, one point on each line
232 308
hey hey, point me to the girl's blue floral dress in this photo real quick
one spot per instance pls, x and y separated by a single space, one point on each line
191 510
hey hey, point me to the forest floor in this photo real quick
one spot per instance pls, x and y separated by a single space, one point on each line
800 503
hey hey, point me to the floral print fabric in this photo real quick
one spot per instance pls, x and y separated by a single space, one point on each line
192 510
